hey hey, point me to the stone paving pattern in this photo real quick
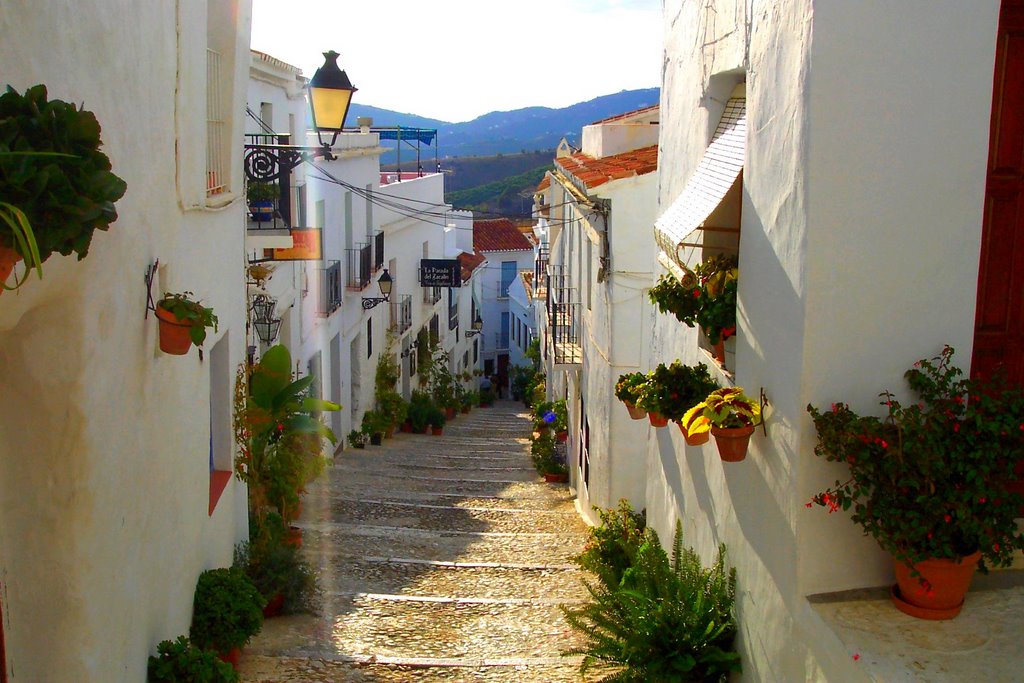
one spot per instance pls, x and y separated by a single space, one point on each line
441 559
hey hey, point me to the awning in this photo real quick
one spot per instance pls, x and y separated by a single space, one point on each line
675 230
424 135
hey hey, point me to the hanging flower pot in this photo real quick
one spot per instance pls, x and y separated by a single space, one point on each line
657 420
175 334
938 593
696 439
636 413
732 442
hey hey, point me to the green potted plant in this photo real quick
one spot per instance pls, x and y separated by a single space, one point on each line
436 417
57 187
680 388
470 399
560 423
183 322
487 398
627 390
357 439
374 424
261 197
287 583
393 410
180 661
227 611
545 459
731 417
419 412
541 411
927 480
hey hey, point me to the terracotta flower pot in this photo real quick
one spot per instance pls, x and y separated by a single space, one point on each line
407 428
465 410
449 413
938 593
696 439
657 420
636 413
175 336
389 432
293 536
8 258
720 352
273 606
436 431
732 441
553 478
232 656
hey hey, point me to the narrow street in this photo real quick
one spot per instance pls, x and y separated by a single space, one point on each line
440 558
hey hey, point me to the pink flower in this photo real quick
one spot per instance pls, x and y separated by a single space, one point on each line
995 547
947 518
856 657
982 500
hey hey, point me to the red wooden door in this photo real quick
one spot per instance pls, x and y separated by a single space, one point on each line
999 330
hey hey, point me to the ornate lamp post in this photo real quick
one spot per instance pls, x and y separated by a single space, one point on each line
385 282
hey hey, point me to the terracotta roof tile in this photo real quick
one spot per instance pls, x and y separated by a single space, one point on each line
544 184
593 172
499 234
469 263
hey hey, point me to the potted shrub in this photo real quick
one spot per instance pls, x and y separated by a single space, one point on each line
436 417
486 398
685 386
546 461
731 416
561 422
927 480
374 424
392 409
470 399
180 660
356 439
261 197
627 390
227 611
286 582
57 187
419 412
183 322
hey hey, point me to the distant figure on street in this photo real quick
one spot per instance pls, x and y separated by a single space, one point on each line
485 383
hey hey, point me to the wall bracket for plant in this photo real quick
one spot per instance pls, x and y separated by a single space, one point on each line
764 418
149 277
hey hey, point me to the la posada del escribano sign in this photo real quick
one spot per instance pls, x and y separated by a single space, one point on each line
440 273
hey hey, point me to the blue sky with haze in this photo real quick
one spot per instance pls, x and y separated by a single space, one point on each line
457 59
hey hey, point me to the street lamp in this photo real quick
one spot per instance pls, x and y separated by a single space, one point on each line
385 283
478 326
267 326
330 94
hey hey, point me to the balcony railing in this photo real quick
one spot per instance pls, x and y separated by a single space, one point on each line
269 202
563 313
330 288
540 266
378 250
431 295
401 313
358 263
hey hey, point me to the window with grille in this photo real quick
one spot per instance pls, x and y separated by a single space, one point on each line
216 154
508 274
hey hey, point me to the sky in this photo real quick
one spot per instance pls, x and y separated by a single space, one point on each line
455 60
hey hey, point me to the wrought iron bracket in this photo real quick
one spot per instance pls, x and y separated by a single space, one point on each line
472 333
269 162
372 301
149 277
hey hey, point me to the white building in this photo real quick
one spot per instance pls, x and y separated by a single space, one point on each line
601 202
854 141
115 458
508 251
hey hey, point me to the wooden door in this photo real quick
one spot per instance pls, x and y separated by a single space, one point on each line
999 330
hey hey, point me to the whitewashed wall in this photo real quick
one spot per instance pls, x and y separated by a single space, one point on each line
860 233
104 441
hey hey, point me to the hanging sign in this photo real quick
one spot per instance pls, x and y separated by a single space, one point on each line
440 273
307 245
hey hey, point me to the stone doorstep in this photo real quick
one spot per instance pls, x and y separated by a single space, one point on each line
373 530
463 508
467 565
393 597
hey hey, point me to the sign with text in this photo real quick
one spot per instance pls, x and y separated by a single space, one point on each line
307 245
440 273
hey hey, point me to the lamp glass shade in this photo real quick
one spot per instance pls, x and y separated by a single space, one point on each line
478 324
330 93
267 330
385 282
263 308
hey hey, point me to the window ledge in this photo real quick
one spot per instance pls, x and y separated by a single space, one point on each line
218 482
982 643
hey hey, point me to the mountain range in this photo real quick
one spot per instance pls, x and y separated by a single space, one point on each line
504 132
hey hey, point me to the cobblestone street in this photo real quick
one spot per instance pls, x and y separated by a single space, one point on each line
441 559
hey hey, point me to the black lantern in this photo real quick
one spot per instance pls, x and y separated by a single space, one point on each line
267 326
477 325
330 94
385 282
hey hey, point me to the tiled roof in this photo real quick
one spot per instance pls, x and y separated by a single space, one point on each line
593 172
544 184
527 276
499 234
469 263
627 115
